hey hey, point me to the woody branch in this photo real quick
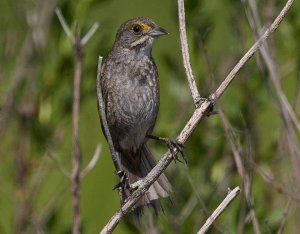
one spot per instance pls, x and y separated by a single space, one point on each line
198 114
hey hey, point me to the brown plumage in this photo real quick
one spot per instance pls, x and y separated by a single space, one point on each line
130 87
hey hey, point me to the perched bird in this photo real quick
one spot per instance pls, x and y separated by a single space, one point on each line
130 89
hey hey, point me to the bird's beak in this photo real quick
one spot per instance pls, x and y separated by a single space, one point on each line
157 31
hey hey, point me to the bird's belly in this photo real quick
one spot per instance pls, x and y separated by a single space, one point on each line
135 117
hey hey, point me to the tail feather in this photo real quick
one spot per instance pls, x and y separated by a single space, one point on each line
160 188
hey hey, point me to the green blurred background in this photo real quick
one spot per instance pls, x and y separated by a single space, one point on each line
36 76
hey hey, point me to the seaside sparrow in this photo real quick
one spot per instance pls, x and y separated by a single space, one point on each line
130 88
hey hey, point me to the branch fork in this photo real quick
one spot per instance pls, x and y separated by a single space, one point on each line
78 45
201 109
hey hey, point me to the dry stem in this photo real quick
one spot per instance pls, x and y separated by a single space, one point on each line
190 126
219 210
186 55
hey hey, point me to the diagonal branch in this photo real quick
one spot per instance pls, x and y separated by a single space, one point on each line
90 33
252 50
218 211
198 114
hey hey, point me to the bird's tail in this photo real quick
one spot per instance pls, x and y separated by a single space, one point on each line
160 188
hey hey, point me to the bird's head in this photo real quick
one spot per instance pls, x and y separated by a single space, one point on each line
138 34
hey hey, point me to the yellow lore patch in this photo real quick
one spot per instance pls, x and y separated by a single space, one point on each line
145 26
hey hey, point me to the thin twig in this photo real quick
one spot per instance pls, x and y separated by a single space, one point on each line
76 159
102 115
65 25
186 55
92 163
103 122
90 33
198 114
218 211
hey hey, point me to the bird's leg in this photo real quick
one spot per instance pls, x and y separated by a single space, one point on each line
123 182
172 145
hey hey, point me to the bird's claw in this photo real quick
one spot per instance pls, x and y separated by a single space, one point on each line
123 182
173 145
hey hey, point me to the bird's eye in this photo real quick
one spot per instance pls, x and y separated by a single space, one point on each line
137 29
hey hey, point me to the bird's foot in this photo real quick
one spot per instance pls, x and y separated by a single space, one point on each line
123 182
174 146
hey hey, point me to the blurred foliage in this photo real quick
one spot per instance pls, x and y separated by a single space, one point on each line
37 65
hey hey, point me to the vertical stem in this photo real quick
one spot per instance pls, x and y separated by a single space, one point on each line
102 116
186 55
103 122
76 160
